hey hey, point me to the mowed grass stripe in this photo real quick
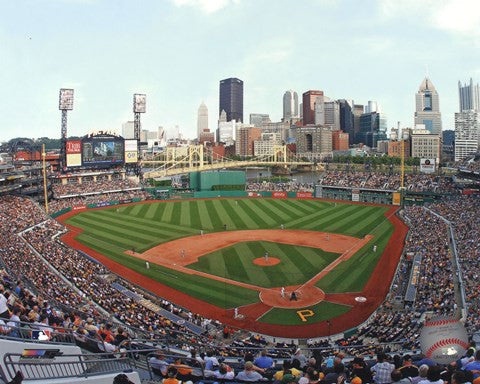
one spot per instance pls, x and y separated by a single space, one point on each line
273 204
312 205
287 207
175 219
300 207
217 205
334 214
134 228
356 226
136 210
310 221
251 209
289 275
151 211
159 211
331 220
239 215
127 210
372 226
112 239
185 216
267 210
233 261
345 224
94 226
194 215
352 275
212 291
217 223
167 213
143 211
205 221
161 226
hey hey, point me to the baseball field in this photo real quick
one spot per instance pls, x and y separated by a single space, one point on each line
240 260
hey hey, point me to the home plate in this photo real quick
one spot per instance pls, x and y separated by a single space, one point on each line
360 299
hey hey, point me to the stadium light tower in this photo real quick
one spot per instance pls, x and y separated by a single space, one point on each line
139 106
65 104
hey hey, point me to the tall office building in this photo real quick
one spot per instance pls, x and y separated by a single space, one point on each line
427 107
467 133
245 138
202 119
231 99
309 99
357 112
332 114
469 96
290 105
373 128
346 118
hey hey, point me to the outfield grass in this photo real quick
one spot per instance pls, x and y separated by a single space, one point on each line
322 311
141 226
298 264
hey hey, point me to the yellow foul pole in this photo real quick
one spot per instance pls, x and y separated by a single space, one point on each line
45 195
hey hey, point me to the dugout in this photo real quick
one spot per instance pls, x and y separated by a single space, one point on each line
217 181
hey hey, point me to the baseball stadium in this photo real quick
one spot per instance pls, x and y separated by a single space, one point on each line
203 266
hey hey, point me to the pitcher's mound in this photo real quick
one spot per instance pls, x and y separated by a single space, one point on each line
269 262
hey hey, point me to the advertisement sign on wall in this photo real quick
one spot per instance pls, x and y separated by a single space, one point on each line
279 195
74 153
396 198
355 195
304 195
131 154
427 165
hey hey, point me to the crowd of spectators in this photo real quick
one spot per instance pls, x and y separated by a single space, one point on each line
100 185
428 237
471 164
463 213
378 367
290 186
88 277
59 204
387 181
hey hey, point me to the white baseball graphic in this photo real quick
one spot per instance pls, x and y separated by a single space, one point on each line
443 340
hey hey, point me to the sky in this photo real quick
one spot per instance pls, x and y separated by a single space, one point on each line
177 51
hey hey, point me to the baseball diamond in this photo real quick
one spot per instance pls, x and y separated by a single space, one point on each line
319 252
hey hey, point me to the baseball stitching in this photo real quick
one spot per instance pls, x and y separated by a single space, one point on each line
440 322
445 342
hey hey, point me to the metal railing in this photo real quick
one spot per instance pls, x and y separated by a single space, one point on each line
51 364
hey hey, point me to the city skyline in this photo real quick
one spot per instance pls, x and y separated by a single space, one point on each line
375 55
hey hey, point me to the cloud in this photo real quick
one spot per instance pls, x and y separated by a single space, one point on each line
206 6
455 16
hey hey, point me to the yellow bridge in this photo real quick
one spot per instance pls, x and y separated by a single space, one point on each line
178 160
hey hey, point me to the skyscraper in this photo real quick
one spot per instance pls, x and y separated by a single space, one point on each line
467 121
373 127
346 118
467 133
469 96
332 114
427 107
290 105
309 99
202 119
231 98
